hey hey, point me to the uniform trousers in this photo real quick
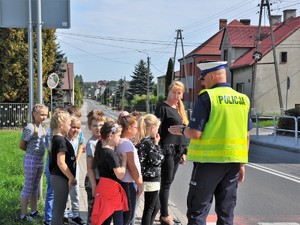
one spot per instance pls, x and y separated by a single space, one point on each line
208 180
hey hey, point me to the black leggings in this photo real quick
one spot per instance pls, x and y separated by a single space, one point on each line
168 170
151 207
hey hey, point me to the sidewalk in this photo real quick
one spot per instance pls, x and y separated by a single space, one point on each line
267 138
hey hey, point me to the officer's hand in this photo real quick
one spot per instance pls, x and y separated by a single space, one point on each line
183 159
242 173
175 129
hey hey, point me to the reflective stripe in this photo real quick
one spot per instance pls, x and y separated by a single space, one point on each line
222 141
217 153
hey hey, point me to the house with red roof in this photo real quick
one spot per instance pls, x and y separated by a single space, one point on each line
68 83
236 44
264 94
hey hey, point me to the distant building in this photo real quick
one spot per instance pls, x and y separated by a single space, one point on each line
161 84
68 83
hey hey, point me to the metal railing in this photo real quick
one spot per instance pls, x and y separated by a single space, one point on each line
13 115
275 128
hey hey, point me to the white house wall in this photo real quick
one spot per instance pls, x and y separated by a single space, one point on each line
244 76
291 69
266 95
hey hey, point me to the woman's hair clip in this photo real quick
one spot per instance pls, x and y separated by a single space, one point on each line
114 128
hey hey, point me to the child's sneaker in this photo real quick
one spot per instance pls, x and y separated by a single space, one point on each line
27 218
66 221
46 223
36 214
77 220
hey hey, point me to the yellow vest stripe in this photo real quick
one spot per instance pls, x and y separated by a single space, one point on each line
221 141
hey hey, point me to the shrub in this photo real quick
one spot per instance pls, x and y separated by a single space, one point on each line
288 123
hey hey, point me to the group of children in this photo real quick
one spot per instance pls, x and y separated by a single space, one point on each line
123 160
64 142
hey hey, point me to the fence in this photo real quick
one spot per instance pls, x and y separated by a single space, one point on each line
275 128
13 115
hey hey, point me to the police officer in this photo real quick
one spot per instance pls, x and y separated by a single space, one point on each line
219 133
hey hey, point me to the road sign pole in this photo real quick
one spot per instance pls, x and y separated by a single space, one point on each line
51 102
39 65
30 62
39 51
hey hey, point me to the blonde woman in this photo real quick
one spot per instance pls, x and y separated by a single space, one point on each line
171 112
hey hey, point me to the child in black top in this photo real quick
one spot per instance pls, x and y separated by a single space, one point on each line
151 156
110 198
62 164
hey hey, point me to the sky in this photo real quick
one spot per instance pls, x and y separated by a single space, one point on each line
108 38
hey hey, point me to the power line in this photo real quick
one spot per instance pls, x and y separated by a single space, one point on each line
107 38
112 60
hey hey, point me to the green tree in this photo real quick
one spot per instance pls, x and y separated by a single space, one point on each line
138 84
77 94
122 89
80 82
14 64
60 60
14 57
168 79
138 103
49 50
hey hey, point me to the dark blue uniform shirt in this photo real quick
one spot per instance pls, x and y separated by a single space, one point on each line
202 109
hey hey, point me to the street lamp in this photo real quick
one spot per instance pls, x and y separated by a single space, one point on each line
148 84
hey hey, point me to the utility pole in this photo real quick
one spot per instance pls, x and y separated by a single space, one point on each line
39 51
257 56
173 69
179 36
30 61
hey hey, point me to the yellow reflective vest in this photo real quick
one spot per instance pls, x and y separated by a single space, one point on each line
224 138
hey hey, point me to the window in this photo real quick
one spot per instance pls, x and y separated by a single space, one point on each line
283 57
240 87
225 55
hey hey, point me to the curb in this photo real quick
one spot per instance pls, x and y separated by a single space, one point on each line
295 149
